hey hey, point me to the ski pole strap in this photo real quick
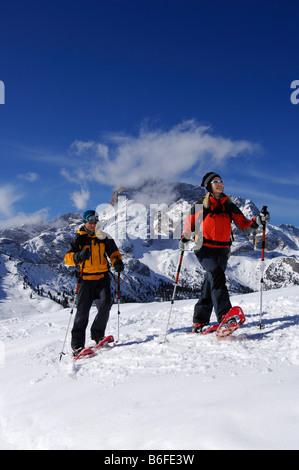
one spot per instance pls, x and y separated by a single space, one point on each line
264 241
179 267
264 211
177 276
77 288
80 277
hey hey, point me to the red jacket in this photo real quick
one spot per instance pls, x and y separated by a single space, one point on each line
211 218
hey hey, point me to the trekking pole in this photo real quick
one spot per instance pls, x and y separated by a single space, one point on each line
174 291
118 305
72 311
263 211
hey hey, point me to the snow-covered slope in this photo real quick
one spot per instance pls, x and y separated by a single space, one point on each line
192 392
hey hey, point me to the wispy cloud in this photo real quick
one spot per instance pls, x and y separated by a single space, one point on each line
8 196
281 208
124 160
15 220
93 148
276 178
10 216
29 176
80 198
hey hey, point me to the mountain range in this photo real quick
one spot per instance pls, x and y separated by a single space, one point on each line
147 223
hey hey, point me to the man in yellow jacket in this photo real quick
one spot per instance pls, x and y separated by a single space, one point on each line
89 253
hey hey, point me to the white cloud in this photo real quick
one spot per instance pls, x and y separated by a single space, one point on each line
29 176
277 178
21 218
8 196
80 198
80 147
69 177
129 161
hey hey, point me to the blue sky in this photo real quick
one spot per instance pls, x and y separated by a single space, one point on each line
103 93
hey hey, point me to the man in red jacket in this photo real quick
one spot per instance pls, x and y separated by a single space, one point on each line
210 222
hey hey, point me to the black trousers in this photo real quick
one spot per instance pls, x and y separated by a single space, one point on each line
214 292
89 292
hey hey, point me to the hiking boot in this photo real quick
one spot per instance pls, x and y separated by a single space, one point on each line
77 351
200 327
97 340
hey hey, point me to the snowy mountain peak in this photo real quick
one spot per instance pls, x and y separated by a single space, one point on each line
158 191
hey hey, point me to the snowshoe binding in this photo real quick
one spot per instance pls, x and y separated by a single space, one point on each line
203 328
231 322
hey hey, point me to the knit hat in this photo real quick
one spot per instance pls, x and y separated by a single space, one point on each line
207 180
90 215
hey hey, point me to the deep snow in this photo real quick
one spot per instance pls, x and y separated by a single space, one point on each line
192 392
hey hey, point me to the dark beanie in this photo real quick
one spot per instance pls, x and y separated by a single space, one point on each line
207 180
90 215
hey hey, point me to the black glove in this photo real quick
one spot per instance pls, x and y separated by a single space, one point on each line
182 243
263 216
119 266
83 255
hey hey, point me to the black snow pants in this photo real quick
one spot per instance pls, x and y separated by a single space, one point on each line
214 292
89 292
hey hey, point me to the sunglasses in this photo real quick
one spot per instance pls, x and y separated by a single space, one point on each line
92 220
217 182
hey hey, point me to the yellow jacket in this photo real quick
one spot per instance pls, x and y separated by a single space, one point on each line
97 265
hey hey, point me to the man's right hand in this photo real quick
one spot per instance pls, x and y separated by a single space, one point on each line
182 244
83 255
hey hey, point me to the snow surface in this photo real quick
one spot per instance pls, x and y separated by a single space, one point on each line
191 392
